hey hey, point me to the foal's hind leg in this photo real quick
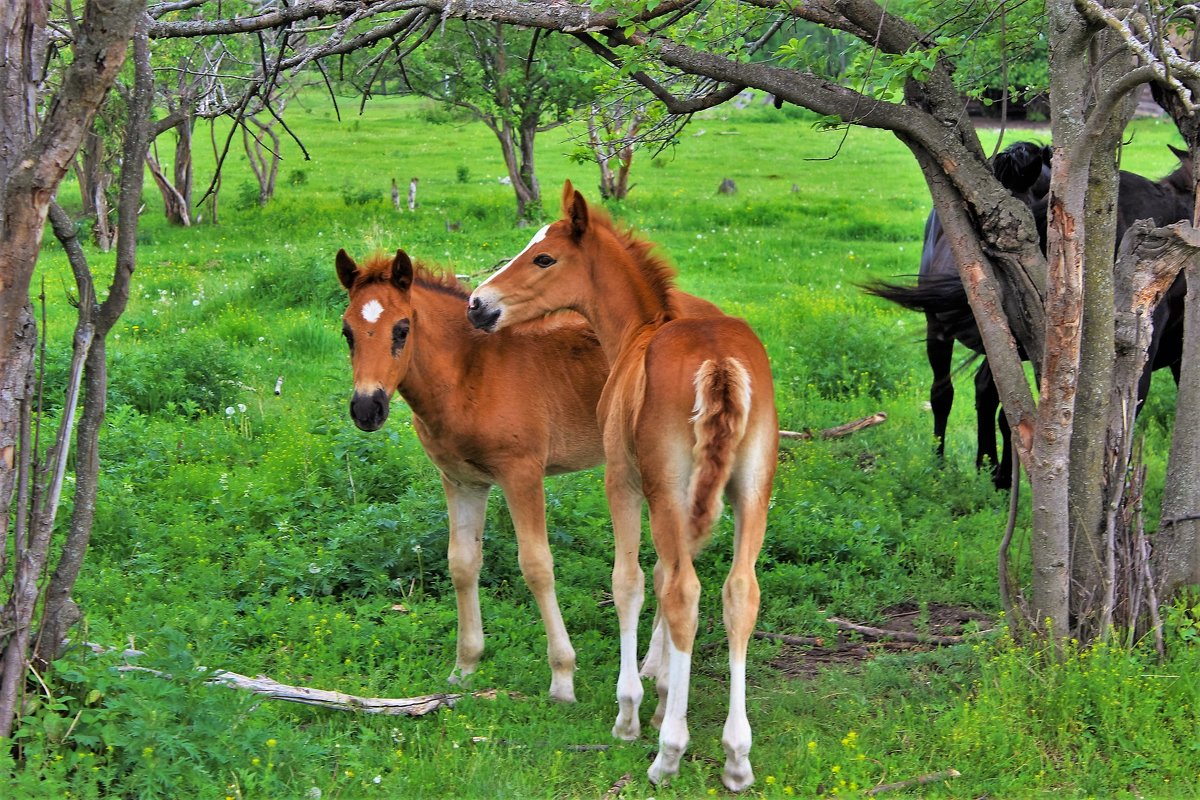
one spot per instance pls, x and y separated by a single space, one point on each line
628 582
467 507
741 599
679 598
527 504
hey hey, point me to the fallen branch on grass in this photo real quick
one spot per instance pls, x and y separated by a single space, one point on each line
900 636
274 690
836 432
921 780
389 706
804 641
399 706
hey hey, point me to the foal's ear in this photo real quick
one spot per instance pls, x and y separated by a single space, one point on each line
1182 155
402 271
575 209
347 270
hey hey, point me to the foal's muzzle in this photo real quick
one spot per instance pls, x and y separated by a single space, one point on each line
482 315
369 411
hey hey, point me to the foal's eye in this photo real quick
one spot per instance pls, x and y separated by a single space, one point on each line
399 335
349 336
544 261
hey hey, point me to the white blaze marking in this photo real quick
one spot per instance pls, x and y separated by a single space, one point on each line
537 237
371 310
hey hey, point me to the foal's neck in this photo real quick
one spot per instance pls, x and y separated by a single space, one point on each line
628 293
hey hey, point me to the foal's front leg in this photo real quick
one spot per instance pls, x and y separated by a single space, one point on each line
467 507
527 504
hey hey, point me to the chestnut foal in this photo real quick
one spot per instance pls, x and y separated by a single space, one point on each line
505 410
687 414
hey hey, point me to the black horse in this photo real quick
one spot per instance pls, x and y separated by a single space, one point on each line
1023 168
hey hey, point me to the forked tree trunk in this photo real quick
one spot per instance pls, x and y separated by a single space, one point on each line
32 171
611 136
60 612
514 148
264 160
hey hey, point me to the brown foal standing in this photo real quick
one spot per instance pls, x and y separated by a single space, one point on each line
687 414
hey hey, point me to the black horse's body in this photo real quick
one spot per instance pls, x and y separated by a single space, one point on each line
1024 169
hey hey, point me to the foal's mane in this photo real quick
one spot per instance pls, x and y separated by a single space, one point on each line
378 269
658 273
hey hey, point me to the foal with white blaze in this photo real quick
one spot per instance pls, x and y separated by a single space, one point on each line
687 413
488 410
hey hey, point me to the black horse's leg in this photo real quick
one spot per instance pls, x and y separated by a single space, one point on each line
987 407
1003 476
939 349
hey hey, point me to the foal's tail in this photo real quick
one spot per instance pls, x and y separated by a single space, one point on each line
719 417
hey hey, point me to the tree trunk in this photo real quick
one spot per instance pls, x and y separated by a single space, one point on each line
60 611
175 206
1101 434
513 165
95 178
32 171
1050 464
183 159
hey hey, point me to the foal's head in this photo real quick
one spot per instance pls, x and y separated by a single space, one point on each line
376 326
551 273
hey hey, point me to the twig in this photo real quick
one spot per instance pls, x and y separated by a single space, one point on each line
920 780
900 636
807 641
838 431
616 788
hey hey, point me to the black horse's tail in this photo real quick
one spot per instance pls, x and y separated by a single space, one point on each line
940 296
934 294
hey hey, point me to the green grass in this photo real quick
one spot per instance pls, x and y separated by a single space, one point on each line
261 534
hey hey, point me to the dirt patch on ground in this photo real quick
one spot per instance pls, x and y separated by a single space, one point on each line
850 647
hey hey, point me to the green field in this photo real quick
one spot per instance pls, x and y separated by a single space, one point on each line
258 534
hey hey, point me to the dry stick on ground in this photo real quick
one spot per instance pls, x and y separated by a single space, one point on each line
391 706
805 641
836 432
901 636
920 780
618 786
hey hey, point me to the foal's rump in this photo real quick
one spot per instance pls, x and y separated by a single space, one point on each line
707 412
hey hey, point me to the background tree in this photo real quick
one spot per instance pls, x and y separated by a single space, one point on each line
517 82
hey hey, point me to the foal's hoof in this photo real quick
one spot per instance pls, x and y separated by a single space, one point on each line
562 694
627 731
737 778
459 678
663 769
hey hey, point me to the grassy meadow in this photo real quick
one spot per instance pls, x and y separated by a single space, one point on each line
242 531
